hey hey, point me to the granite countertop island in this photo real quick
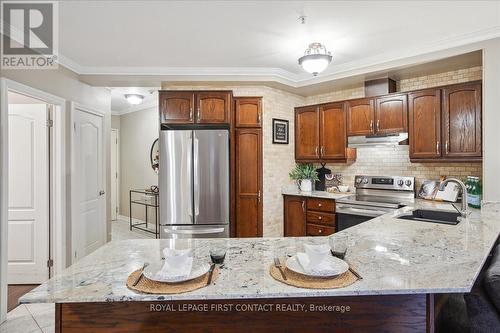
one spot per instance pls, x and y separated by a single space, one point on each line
404 264
393 256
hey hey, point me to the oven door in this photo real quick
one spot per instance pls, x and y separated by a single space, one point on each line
349 215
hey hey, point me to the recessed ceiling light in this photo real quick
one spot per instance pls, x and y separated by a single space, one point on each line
315 59
134 99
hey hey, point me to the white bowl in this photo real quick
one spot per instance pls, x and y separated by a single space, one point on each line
343 188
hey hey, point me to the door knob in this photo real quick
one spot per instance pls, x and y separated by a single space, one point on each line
101 192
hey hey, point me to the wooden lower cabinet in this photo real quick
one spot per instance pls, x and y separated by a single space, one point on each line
308 216
248 182
294 216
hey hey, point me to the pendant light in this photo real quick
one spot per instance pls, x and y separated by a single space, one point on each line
315 59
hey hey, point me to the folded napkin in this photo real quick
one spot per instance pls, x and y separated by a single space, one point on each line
314 259
178 264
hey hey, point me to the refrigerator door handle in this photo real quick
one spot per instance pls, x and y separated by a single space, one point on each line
194 231
196 178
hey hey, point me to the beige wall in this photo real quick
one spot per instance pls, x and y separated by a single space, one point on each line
138 130
66 84
115 122
278 159
396 161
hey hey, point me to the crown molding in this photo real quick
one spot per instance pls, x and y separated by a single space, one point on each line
405 55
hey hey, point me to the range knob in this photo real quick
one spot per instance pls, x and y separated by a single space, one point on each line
365 181
408 182
400 182
358 180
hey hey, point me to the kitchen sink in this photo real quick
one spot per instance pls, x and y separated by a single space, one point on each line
434 216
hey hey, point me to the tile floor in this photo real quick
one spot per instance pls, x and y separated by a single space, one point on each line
39 318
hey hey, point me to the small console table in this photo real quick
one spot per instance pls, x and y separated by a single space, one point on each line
153 202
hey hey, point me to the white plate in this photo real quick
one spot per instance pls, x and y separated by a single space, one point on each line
331 266
198 269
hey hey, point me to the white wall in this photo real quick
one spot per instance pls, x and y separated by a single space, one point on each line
138 130
491 120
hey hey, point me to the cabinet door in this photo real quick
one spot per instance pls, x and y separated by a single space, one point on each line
294 216
425 123
462 120
391 114
306 133
176 107
248 111
213 107
360 117
332 130
248 182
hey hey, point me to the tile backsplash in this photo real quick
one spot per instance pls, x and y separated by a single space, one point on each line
395 161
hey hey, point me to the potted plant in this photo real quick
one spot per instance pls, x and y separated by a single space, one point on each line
304 175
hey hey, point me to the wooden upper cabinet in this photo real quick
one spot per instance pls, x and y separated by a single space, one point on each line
425 123
213 107
462 120
294 216
391 114
332 129
176 107
248 111
360 117
248 182
306 133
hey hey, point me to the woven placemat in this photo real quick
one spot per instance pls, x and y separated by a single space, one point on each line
153 287
310 282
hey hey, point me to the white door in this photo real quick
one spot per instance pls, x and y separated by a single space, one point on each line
114 174
28 233
89 224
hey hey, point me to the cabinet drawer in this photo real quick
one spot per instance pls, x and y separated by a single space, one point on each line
319 230
320 218
322 205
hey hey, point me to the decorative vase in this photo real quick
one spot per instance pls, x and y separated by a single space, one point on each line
305 185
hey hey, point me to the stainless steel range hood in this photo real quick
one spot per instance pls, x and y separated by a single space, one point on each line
376 140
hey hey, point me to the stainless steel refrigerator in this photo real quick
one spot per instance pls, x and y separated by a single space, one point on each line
194 183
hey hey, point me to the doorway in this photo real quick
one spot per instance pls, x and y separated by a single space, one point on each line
37 223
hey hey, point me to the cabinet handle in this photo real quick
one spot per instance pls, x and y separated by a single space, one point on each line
190 113
322 150
320 217
320 231
319 205
317 151
303 206
446 147
259 118
371 125
437 148
378 125
198 113
258 196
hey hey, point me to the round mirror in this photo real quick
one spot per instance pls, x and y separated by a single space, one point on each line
155 155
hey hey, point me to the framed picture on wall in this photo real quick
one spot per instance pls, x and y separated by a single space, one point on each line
280 131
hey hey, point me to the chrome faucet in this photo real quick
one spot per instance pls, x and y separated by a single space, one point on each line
465 211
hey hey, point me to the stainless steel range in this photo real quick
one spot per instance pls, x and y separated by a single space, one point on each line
375 196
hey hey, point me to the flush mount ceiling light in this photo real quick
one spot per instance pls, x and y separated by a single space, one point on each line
315 59
134 99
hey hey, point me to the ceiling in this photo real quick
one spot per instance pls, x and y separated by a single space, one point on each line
258 38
